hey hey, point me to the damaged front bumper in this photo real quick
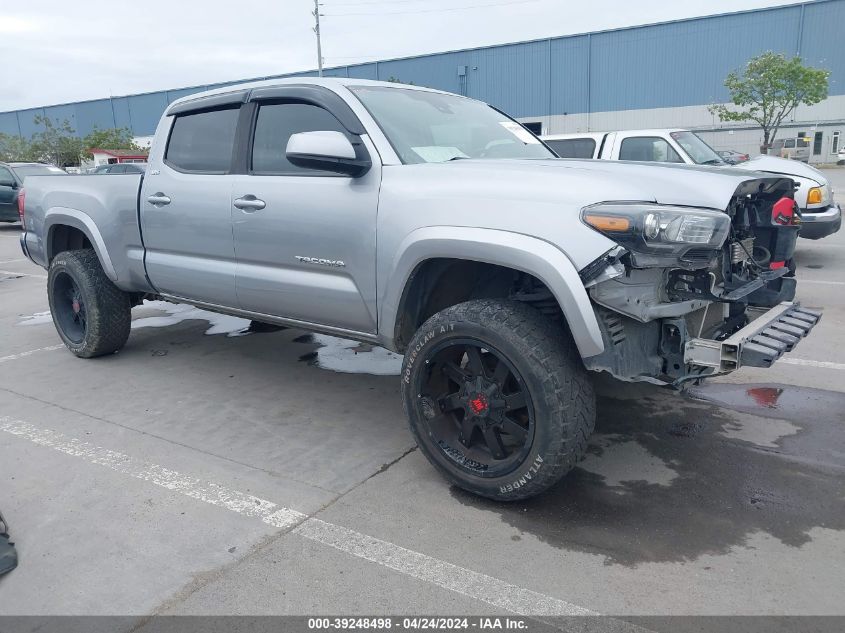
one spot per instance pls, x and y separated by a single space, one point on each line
759 344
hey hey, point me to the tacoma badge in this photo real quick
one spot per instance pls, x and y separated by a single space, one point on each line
323 262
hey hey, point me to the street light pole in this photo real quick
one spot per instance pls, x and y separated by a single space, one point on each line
317 31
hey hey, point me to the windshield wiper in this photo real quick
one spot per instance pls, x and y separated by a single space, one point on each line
714 161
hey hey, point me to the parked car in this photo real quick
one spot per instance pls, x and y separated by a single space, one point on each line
438 227
821 215
840 156
792 148
12 176
732 157
120 168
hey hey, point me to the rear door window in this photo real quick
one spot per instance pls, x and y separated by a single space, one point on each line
573 147
648 148
202 142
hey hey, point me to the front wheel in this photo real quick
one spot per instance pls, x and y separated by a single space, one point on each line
91 314
497 398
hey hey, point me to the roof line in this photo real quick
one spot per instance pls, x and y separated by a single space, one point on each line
222 84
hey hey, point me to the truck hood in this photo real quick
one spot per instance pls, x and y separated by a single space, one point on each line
592 181
777 165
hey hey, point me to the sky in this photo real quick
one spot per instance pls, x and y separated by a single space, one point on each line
56 51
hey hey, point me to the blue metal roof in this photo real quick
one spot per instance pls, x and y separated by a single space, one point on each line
669 64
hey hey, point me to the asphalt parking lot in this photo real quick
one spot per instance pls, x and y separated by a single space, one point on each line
206 469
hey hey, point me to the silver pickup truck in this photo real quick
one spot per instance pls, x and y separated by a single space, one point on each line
438 227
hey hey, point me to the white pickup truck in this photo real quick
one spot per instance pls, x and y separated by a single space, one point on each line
820 215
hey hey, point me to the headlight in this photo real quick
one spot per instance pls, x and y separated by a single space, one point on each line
658 235
814 195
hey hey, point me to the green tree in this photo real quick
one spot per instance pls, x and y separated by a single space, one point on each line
110 138
769 90
56 143
16 148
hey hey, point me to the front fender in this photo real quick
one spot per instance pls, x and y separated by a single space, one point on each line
58 216
513 250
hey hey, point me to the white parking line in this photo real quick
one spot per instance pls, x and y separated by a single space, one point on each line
463 581
819 281
12 272
472 584
3 359
823 364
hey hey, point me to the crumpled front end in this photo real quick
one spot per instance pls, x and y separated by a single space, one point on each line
690 293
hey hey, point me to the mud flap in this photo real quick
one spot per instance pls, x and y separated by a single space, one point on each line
8 555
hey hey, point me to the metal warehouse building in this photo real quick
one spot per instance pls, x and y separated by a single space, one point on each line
659 75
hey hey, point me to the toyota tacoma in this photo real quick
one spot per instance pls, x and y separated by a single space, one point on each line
440 228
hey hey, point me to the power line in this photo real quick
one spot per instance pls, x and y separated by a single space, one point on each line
472 6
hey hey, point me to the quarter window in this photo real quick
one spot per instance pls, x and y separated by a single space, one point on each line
648 148
274 127
203 141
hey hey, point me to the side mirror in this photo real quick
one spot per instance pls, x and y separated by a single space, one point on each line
328 151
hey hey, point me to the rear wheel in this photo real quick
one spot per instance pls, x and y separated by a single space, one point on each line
497 398
91 314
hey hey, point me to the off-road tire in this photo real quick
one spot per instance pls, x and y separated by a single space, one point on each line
546 357
108 309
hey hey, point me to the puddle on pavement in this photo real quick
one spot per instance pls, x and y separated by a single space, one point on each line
349 357
669 478
786 402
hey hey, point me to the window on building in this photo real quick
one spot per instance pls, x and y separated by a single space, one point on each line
834 143
817 143
573 147
648 148
536 127
274 127
203 141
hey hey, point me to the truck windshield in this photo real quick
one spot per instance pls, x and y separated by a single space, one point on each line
699 151
432 127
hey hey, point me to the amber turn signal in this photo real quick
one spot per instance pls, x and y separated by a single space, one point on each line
613 223
814 195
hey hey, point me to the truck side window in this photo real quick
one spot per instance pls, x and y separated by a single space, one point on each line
203 141
276 122
573 147
648 148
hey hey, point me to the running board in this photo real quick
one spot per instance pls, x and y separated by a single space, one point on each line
758 344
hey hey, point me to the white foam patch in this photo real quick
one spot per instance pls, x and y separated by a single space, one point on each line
39 318
764 432
178 312
627 461
352 357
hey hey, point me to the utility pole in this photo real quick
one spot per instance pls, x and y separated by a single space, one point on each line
316 14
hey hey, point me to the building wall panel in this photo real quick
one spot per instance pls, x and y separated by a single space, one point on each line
9 123
145 111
